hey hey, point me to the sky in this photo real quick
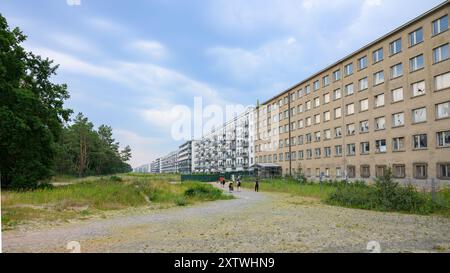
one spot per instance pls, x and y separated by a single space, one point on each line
127 64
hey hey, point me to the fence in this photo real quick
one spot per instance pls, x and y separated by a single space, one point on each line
203 177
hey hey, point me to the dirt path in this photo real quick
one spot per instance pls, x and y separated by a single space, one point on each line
253 222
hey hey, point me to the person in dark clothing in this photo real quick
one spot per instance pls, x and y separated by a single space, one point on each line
239 183
257 184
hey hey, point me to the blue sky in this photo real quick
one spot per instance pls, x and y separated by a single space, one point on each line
127 63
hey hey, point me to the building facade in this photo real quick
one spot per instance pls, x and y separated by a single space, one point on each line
229 148
186 155
169 163
155 166
385 105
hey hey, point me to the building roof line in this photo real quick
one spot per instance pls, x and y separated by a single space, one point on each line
402 27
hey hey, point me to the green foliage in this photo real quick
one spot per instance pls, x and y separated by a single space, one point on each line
203 191
84 151
31 112
115 178
385 195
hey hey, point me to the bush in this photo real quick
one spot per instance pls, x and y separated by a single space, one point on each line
385 195
203 192
181 201
115 178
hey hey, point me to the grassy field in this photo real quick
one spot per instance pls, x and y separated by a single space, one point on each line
81 198
355 195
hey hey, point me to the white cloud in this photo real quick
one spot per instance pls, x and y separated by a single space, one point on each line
107 25
153 49
73 43
260 63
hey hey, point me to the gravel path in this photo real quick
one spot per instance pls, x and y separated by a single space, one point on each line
253 222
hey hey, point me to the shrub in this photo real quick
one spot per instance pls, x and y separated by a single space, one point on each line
203 191
385 195
115 178
181 201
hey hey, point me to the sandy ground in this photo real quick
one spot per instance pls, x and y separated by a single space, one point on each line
253 222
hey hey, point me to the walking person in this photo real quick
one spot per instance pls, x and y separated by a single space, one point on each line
257 184
230 187
239 183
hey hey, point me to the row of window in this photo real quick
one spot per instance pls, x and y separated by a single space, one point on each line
416 89
418 115
440 54
419 142
419 171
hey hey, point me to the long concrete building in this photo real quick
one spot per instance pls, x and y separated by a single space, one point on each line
385 105
228 148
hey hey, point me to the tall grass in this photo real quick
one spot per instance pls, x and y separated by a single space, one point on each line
103 194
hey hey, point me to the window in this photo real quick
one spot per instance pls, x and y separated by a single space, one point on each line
418 89
349 89
338 150
338 113
398 144
443 139
416 37
420 170
338 132
443 110
351 149
327 134
308 121
419 115
364 126
440 53
300 140
326 98
317 119
317 172
326 116
308 105
337 94
351 129
443 170
350 109
348 69
308 138
363 84
365 171
395 47
301 124
378 55
420 141
365 147
317 152
380 146
351 171
337 75
440 25
307 89
379 100
316 85
338 172
397 71
397 95
398 171
416 63
380 123
364 105
398 119
300 108
380 170
316 102
300 155
378 78
362 63
309 153
326 80
442 81
317 136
